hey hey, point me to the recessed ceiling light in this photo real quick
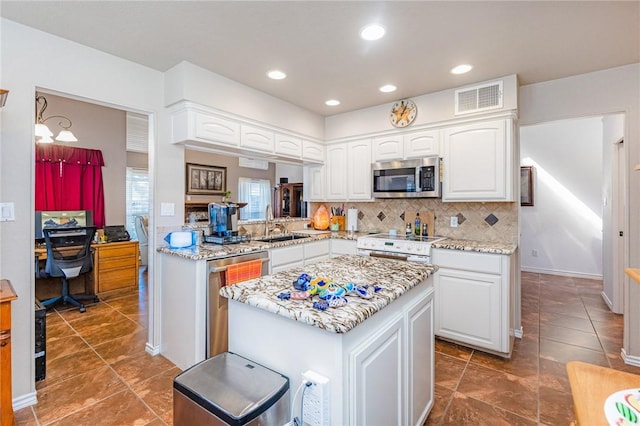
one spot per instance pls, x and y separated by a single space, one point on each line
372 32
332 102
276 75
461 69
387 88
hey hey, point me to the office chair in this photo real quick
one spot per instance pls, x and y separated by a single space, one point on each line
68 255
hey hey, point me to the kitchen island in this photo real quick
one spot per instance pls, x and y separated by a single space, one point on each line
377 353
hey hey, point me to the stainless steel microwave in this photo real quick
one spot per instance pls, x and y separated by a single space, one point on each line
407 179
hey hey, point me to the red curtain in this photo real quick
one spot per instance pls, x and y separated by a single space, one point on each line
70 178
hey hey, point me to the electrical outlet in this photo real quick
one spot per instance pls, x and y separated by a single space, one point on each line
315 400
454 221
534 253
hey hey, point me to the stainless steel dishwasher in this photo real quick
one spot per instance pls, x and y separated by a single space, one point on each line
217 306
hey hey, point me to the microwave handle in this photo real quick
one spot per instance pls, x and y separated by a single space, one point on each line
419 179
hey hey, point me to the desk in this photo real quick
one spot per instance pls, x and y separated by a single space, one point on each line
115 266
7 295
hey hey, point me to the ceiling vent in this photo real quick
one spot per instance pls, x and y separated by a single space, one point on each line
479 98
253 163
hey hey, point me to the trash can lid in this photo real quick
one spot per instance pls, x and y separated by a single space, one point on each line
233 388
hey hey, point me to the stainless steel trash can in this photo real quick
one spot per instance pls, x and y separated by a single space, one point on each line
228 389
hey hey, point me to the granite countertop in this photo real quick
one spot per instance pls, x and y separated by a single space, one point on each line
207 251
395 278
478 246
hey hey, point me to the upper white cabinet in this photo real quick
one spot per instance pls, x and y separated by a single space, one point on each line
348 171
289 146
313 178
198 126
408 145
256 138
421 144
312 152
479 162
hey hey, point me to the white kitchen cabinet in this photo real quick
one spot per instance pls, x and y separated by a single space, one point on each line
479 162
256 139
388 148
288 146
359 171
316 251
198 126
283 258
340 247
336 172
396 362
312 152
313 178
474 299
423 143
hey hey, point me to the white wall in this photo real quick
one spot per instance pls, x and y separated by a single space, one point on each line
564 226
599 93
30 60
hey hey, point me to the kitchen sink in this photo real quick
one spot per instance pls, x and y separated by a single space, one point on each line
279 238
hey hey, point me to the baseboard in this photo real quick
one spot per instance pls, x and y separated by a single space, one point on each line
152 350
25 400
608 302
630 359
560 273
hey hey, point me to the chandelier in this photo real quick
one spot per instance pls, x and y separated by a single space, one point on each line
42 132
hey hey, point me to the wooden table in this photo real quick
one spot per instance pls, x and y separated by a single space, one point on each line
591 385
7 295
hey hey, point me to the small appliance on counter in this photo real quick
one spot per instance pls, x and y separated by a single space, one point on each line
223 224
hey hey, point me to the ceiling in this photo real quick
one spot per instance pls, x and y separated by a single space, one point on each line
317 44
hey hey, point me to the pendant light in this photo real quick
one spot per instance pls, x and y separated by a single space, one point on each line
42 132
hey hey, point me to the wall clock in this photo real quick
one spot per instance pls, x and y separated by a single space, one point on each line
403 113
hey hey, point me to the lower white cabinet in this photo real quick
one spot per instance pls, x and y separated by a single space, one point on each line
339 247
316 251
474 299
284 258
391 373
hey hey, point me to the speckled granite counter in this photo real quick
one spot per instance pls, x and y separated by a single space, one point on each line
215 251
394 277
479 246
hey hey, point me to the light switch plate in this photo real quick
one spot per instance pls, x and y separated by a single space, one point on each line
454 221
7 212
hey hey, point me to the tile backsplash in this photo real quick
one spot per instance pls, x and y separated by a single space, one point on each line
490 222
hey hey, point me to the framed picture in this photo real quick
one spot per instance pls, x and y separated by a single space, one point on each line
526 186
206 180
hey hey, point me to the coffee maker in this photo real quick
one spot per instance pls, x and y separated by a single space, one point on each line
223 219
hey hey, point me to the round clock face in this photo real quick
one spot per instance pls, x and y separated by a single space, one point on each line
403 113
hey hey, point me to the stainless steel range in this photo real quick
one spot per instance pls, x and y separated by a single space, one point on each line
411 248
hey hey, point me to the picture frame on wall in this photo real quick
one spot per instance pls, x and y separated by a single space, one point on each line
526 185
206 180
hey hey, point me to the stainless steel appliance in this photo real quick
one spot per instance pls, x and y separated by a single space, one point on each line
217 306
230 390
223 224
407 179
411 248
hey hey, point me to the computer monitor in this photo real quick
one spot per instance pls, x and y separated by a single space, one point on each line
61 219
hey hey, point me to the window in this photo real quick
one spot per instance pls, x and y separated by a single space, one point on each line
137 197
257 194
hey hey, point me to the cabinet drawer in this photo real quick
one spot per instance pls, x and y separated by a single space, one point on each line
285 255
469 261
117 278
115 263
129 250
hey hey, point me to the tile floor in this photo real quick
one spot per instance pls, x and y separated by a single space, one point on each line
98 372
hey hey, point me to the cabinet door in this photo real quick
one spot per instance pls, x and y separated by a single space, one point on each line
284 258
316 251
359 171
469 308
257 139
336 172
216 129
314 183
478 163
422 144
288 145
339 247
313 152
376 395
388 148
420 367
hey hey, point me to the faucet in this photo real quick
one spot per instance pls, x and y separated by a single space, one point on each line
268 218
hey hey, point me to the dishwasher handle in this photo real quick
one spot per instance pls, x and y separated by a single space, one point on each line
224 268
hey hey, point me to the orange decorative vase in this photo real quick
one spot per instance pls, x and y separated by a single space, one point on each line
321 218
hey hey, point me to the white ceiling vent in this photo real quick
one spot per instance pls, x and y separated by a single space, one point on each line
479 98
